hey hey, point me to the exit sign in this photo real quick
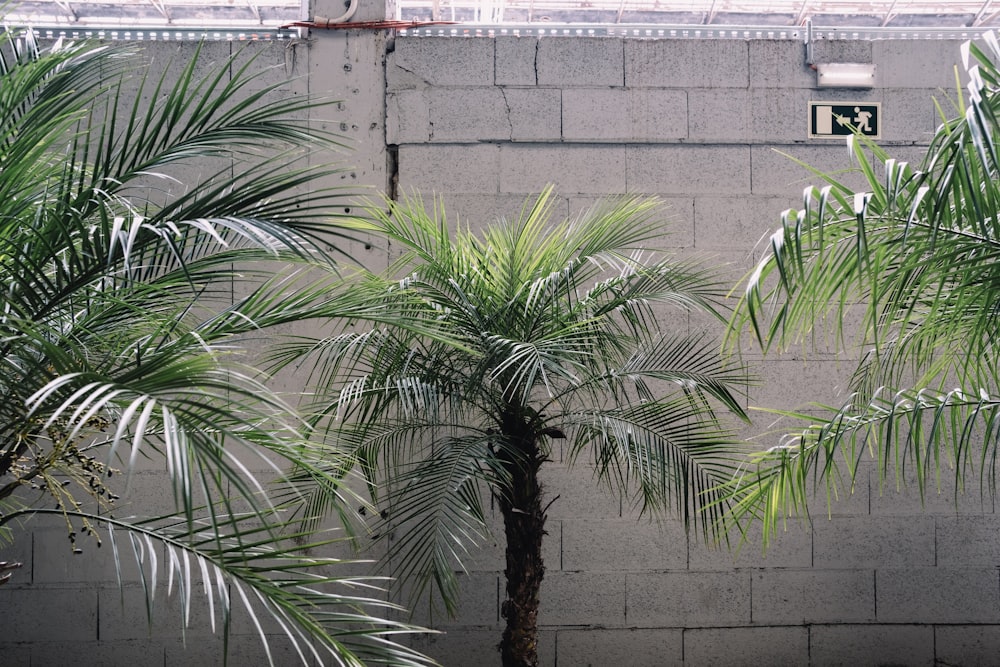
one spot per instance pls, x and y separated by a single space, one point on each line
830 120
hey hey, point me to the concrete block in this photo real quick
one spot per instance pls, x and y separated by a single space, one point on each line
799 384
583 598
431 61
616 114
689 599
780 116
16 655
675 215
842 51
747 646
203 651
938 595
473 115
460 646
850 645
686 63
729 268
250 650
898 492
478 604
477 211
152 493
580 61
736 223
870 542
786 597
552 545
914 155
835 335
611 545
968 541
688 170
575 493
775 171
678 223
407 117
796 384
596 114
515 60
779 63
909 116
533 114
449 168
593 647
790 547
719 115
848 497
657 115
123 613
924 64
56 562
971 645
131 653
489 556
33 614
572 169
478 647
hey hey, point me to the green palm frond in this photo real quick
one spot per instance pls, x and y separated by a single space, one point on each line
241 569
917 254
504 339
435 514
143 244
664 455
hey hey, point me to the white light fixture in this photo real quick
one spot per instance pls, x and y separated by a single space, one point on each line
845 75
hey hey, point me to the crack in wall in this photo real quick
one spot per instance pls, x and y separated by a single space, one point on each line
392 171
510 121
535 64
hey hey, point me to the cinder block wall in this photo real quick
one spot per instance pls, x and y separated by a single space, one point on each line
485 123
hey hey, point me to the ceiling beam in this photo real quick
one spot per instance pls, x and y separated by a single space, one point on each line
983 14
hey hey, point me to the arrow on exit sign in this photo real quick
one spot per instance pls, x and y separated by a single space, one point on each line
828 120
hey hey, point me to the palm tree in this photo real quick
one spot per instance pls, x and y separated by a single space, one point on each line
120 254
919 251
547 331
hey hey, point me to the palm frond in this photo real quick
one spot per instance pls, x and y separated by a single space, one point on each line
917 254
139 247
242 569
486 346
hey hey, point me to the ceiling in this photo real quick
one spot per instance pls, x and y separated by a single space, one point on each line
272 13
152 13
840 13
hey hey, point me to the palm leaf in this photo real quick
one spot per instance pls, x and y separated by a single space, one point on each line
481 347
122 338
918 253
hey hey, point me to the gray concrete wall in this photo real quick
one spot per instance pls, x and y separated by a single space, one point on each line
486 123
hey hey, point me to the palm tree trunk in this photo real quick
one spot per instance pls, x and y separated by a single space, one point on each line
524 526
